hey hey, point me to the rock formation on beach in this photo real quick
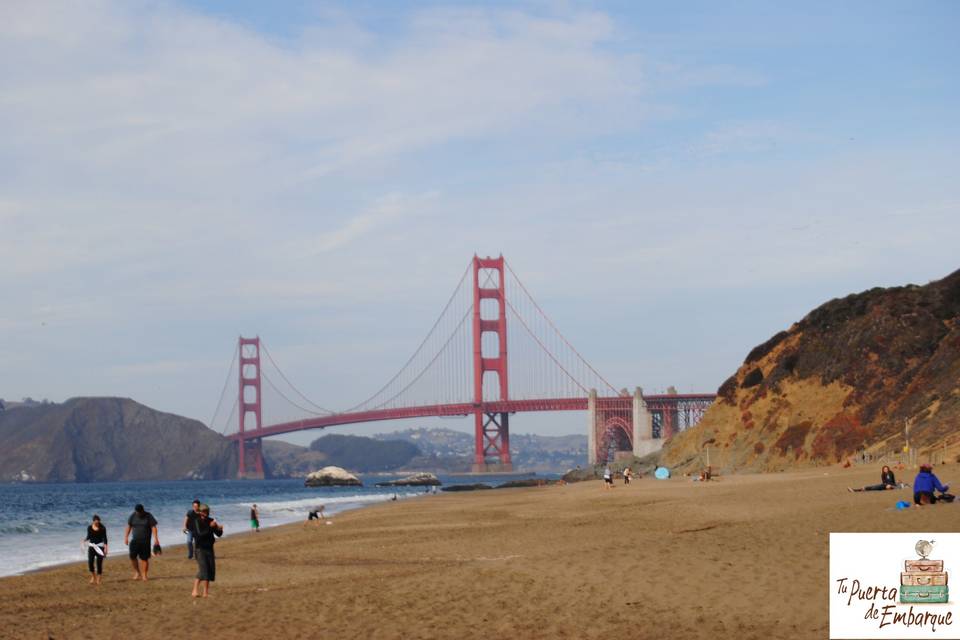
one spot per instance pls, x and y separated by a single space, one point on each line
422 479
479 486
332 477
104 439
856 377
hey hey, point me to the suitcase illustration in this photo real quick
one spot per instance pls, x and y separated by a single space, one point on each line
924 581
933 594
923 566
938 578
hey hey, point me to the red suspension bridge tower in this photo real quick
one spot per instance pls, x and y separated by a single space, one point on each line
250 405
491 429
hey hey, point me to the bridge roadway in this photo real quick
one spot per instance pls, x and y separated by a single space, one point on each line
655 402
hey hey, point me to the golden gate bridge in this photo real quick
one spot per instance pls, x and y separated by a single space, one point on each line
463 367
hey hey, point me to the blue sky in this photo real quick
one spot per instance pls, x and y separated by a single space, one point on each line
674 184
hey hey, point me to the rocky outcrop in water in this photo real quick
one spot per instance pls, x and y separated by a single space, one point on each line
527 482
332 477
416 480
467 487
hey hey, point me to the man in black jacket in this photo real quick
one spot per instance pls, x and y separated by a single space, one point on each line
204 530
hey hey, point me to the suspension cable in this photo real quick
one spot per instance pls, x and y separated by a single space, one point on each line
280 371
547 351
233 412
236 352
282 395
572 348
426 368
417 352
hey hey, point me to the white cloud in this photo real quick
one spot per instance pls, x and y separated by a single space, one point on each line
168 179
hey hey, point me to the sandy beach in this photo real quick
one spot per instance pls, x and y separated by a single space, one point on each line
742 557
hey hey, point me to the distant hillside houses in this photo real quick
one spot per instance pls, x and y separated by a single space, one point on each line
26 402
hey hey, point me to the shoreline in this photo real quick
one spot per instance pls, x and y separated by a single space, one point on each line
182 545
668 559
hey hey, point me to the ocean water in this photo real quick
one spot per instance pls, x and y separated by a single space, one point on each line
44 524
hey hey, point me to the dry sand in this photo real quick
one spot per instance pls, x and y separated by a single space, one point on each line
743 557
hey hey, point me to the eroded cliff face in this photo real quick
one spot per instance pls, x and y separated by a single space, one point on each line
101 439
846 378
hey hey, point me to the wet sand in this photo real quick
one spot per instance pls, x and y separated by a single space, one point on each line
742 557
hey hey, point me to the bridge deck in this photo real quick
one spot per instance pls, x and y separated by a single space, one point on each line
463 409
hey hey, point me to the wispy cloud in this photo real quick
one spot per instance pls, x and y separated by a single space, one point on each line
169 178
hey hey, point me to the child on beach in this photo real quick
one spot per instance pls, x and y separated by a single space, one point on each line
96 549
204 530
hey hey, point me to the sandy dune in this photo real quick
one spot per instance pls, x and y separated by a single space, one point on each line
743 557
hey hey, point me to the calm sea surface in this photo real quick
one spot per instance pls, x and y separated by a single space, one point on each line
44 524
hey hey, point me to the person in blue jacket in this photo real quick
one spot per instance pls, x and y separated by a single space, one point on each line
924 484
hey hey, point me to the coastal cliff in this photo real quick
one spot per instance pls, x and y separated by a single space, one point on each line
857 375
104 439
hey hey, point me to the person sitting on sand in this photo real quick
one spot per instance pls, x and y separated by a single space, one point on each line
887 481
316 514
706 474
96 549
924 484
204 530
141 524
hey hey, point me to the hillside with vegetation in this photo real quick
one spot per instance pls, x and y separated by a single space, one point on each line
859 377
101 439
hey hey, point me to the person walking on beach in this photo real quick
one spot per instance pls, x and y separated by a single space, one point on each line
205 528
255 518
188 526
96 549
924 484
627 474
140 525
607 478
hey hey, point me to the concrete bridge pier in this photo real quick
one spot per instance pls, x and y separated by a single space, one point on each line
592 427
643 440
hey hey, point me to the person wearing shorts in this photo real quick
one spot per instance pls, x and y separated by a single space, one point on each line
140 525
205 532
607 478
